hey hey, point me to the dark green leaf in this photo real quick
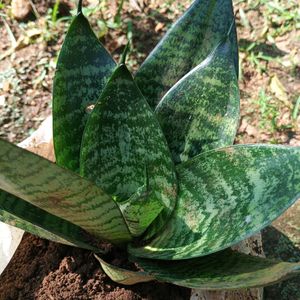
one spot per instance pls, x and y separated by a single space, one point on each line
123 276
225 270
83 68
61 193
226 195
123 150
186 44
21 214
201 111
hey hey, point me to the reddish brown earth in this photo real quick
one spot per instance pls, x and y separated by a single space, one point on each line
44 270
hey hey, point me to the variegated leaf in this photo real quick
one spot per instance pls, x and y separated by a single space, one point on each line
185 45
61 193
83 68
139 212
124 149
123 276
226 270
201 111
226 195
21 214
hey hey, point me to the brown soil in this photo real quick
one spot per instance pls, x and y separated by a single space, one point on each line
282 241
44 270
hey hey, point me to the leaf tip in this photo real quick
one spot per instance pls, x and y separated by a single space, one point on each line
125 53
79 7
230 27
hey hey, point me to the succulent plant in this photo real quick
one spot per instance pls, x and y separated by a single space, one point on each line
147 163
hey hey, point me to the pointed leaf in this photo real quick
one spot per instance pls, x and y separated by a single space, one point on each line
61 193
185 45
225 270
123 149
139 212
21 214
201 111
226 195
83 68
123 276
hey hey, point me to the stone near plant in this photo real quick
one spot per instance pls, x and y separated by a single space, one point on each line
20 9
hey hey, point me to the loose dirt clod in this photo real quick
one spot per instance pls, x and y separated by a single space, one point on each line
20 9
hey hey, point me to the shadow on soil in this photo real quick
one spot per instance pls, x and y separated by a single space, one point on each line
279 246
268 50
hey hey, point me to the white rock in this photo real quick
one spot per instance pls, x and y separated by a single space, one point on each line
10 238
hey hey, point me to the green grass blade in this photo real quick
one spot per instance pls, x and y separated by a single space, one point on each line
123 276
82 70
201 111
227 195
226 270
188 42
61 193
123 149
21 214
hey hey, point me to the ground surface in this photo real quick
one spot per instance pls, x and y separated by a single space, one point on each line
269 38
47 270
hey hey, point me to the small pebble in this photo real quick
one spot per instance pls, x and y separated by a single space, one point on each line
20 9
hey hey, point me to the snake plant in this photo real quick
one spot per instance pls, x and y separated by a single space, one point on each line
147 162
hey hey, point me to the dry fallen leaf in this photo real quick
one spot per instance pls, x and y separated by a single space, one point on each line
251 131
113 7
2 100
278 89
159 27
33 32
243 125
6 86
136 5
41 141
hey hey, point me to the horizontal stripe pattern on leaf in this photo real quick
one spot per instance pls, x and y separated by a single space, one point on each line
82 70
21 214
61 193
123 149
139 212
226 270
226 195
188 42
201 111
